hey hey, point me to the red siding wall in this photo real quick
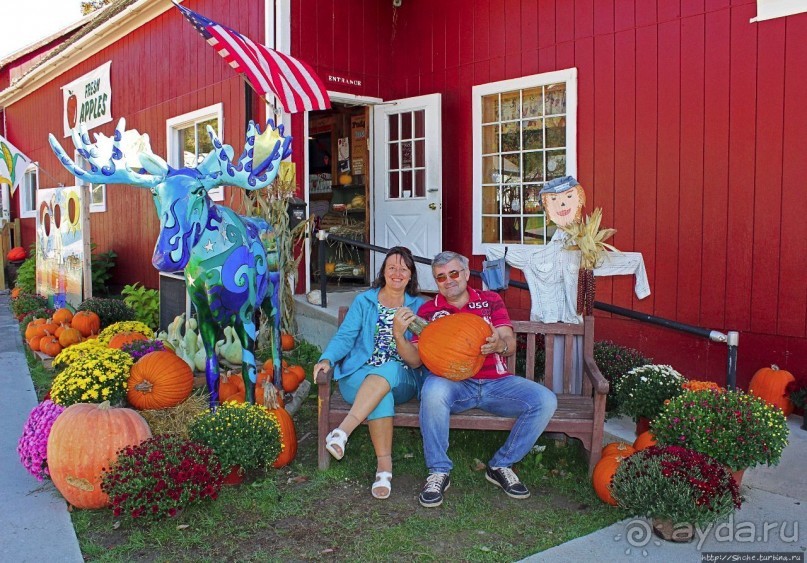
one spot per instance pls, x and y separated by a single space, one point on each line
161 70
690 136
689 122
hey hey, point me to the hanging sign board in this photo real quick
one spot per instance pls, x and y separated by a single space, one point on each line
87 100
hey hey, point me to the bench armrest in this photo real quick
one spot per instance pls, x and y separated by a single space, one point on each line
592 371
324 376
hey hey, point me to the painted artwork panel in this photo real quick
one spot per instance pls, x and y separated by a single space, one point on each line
59 245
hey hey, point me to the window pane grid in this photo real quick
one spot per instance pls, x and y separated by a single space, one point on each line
406 148
523 146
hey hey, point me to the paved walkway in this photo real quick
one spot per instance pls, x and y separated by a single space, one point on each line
35 524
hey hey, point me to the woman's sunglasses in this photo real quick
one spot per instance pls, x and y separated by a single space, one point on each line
453 274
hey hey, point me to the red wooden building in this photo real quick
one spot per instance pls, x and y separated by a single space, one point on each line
683 119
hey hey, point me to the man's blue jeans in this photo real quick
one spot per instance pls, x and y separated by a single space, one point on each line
530 403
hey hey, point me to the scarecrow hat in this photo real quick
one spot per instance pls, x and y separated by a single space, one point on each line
559 185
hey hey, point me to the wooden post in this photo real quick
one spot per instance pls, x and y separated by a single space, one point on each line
86 266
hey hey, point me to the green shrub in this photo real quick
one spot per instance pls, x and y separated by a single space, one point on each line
26 274
615 361
144 302
101 265
26 304
110 311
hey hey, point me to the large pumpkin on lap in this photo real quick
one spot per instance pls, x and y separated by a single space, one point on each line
449 346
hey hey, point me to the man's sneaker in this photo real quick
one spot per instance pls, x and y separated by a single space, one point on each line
507 480
432 493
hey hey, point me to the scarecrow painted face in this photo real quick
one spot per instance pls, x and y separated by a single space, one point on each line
566 207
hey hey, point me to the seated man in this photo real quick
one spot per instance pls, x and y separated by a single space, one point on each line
492 389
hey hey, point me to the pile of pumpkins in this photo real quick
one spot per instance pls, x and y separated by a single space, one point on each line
62 330
612 456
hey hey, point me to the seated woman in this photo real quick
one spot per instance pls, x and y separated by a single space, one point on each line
374 363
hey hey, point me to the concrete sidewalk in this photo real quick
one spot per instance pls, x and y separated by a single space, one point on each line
773 518
34 520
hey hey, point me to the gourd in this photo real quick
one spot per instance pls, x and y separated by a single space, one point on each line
618 448
87 323
769 384
69 336
63 315
603 474
288 436
450 346
16 254
49 345
231 387
644 440
159 380
123 338
345 179
83 441
231 350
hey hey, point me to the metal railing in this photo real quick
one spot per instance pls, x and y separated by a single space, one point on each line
730 339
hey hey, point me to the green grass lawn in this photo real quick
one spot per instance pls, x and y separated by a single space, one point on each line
299 513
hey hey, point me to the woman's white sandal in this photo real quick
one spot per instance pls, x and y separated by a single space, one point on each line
383 480
336 437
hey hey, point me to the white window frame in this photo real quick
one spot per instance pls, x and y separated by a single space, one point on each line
770 9
569 76
81 162
173 125
25 212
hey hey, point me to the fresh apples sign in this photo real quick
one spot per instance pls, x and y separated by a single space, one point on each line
88 100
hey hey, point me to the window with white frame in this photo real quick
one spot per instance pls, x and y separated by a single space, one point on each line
770 9
189 143
30 183
524 134
97 191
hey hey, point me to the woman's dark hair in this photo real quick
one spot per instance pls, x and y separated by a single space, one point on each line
412 287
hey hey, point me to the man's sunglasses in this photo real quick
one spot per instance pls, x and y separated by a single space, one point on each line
453 274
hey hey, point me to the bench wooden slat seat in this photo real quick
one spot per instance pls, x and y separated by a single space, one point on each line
579 415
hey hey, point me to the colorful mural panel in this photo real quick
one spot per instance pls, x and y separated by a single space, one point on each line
59 245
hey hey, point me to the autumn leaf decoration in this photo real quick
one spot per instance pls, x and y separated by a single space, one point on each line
589 239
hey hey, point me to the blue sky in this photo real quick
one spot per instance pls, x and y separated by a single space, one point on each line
27 21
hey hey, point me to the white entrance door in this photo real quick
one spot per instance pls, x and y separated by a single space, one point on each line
408 180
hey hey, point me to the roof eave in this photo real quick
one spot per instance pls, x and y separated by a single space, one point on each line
105 35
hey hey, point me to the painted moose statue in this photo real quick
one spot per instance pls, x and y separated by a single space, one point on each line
230 261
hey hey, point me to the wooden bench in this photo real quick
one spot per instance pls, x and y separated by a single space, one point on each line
578 415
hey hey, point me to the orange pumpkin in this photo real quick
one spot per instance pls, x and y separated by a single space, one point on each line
35 328
618 448
33 342
769 384
288 436
644 440
299 371
49 345
15 293
123 338
49 327
83 441
86 322
603 474
290 379
449 346
159 380
62 316
286 342
231 387
69 336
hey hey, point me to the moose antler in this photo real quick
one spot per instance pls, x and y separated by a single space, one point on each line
250 173
112 170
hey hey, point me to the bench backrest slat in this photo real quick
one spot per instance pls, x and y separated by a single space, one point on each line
550 331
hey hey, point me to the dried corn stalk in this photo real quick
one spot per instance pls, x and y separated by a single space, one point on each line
589 239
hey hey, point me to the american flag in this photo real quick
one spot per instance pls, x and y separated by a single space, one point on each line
294 83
